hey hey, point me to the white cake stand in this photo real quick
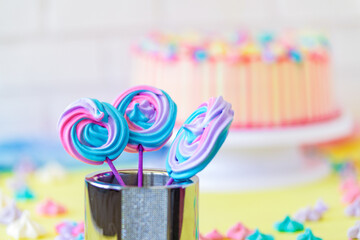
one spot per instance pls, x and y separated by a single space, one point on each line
270 158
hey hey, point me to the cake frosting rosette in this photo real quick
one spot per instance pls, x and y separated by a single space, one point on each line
83 126
150 114
199 139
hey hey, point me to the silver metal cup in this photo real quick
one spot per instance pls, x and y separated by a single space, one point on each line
152 212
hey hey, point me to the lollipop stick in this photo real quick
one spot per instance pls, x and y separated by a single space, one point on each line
115 172
140 170
171 180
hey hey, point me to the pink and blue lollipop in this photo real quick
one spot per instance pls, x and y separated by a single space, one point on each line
199 139
150 114
94 132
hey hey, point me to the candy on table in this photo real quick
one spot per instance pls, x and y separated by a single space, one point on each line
24 167
348 183
201 237
70 230
307 214
94 132
257 235
199 139
51 172
320 206
24 227
307 235
354 231
150 114
288 225
311 213
79 237
214 235
50 208
238 232
353 210
8 209
4 200
16 182
9 213
351 194
24 194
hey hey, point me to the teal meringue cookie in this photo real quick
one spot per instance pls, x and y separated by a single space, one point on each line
257 235
289 225
307 235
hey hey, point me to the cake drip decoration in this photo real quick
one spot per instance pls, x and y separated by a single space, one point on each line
150 114
238 232
24 194
288 225
51 172
199 139
9 213
214 235
354 231
82 128
24 227
50 208
257 235
70 230
307 235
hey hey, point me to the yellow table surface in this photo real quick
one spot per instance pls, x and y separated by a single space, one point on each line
255 209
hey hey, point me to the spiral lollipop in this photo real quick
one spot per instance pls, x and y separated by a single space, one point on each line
199 139
94 132
150 114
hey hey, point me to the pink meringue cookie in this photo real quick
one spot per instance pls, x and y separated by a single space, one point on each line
214 235
348 183
79 228
70 230
201 237
238 232
50 208
351 194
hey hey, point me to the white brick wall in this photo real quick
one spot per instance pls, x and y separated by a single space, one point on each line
55 51
19 17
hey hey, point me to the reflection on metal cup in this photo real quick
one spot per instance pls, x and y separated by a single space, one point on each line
152 212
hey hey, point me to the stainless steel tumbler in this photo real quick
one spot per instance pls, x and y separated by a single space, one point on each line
152 212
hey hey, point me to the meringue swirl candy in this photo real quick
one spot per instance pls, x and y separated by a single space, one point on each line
199 139
151 115
93 131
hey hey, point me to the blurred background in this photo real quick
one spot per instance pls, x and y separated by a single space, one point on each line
53 52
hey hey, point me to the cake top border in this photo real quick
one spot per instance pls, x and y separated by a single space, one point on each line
238 46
